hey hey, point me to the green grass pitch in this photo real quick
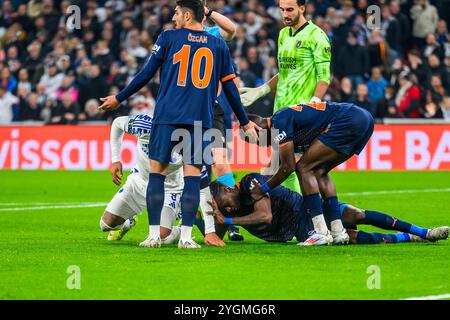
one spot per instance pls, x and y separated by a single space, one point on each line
38 245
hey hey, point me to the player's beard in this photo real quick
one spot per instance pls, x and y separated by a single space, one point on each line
293 22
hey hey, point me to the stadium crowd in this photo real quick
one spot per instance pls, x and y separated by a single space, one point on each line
398 67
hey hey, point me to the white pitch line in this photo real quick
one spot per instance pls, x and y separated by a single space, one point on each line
74 205
86 205
382 192
437 297
5 204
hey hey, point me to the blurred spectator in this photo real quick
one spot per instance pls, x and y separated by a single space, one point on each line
24 81
346 90
65 112
254 63
425 17
386 105
391 30
376 86
446 107
91 112
432 46
7 101
67 86
7 80
352 61
31 109
408 97
436 92
362 98
403 20
52 79
91 84
433 111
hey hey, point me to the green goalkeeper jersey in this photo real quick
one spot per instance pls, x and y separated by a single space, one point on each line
303 60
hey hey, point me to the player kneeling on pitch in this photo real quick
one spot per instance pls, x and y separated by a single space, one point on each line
279 216
121 213
327 134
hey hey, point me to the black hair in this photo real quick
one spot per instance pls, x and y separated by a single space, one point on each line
216 188
301 2
196 6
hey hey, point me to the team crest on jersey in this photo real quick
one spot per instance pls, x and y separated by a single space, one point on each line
298 45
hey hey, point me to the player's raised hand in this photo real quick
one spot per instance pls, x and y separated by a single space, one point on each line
117 173
212 239
250 95
109 103
251 129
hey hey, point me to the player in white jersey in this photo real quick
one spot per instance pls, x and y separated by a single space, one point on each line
120 214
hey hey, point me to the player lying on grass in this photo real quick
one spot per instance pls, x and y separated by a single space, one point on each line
279 216
120 214
328 134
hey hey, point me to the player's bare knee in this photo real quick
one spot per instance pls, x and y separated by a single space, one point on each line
353 216
109 221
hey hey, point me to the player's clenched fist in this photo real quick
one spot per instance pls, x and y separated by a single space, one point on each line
109 103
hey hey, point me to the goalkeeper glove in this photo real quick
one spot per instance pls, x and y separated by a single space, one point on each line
250 95
315 100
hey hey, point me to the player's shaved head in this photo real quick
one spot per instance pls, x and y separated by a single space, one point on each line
196 7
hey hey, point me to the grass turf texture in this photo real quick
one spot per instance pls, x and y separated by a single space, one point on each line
38 246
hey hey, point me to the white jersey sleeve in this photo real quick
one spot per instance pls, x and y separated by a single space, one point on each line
116 138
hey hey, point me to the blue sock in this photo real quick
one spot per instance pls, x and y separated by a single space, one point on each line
374 237
384 221
200 225
155 198
190 200
331 209
227 179
313 205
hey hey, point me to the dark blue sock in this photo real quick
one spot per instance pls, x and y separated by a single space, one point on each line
313 205
331 209
200 225
374 237
384 221
190 200
155 198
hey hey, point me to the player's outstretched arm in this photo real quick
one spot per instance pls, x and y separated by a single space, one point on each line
211 238
231 92
116 138
141 79
250 95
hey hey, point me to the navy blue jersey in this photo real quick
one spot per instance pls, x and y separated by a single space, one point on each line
286 210
192 63
303 123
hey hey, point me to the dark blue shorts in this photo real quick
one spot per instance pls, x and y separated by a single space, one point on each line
349 133
189 141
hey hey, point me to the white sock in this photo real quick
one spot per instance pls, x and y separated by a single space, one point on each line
154 232
186 233
320 226
337 226
126 225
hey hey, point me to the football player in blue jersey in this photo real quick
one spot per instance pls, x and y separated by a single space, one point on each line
327 134
224 29
279 217
192 64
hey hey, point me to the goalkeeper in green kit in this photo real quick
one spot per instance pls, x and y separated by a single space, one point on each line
304 56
